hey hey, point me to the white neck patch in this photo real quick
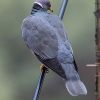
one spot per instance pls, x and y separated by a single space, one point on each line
39 4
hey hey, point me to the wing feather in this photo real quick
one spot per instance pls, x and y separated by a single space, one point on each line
40 36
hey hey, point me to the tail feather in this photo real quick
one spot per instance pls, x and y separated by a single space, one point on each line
76 88
74 85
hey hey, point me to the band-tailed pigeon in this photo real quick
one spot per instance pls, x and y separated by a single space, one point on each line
44 34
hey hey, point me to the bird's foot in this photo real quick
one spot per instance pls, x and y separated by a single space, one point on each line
44 68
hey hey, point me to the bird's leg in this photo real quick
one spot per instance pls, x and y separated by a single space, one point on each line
43 67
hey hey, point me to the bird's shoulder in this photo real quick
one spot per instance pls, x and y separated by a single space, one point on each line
35 24
30 21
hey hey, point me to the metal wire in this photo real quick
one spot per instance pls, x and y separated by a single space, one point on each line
44 71
62 9
40 83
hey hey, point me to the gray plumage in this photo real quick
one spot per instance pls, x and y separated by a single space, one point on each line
45 35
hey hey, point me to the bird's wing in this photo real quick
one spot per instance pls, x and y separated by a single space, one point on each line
40 37
55 22
65 57
63 41
54 65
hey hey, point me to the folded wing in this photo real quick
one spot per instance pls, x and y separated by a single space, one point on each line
40 37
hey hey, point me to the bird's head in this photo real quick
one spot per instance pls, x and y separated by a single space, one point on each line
45 4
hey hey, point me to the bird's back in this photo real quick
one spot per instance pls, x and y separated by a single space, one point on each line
57 24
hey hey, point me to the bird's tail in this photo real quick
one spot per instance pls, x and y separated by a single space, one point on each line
73 84
76 88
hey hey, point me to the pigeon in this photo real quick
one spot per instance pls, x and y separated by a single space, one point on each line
45 35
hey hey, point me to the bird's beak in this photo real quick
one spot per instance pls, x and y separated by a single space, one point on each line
50 9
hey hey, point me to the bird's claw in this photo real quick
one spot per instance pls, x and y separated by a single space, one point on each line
43 67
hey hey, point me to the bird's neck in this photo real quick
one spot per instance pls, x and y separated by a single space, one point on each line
36 7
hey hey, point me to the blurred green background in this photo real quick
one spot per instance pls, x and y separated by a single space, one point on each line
19 69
